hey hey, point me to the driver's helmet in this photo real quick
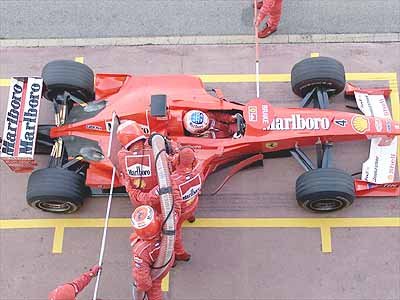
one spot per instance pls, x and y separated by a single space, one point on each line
129 132
146 223
196 121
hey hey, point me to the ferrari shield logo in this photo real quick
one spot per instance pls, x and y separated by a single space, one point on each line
190 188
138 165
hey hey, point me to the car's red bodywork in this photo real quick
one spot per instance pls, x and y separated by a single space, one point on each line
268 128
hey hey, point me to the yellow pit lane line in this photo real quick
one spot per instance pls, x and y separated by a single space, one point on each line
324 224
79 59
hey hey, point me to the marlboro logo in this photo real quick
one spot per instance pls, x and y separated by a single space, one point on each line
138 165
297 122
190 188
20 127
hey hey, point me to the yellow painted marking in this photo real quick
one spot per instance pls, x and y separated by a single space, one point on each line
58 239
314 54
235 78
209 223
293 222
323 224
369 76
165 283
5 82
79 59
326 239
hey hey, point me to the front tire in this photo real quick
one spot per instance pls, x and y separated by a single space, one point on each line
68 75
324 72
56 190
325 190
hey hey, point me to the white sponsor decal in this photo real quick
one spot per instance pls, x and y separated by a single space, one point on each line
190 188
253 113
372 105
23 119
378 125
94 127
12 117
265 111
138 165
297 122
30 118
381 164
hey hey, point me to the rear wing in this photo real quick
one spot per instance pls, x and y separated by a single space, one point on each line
378 172
21 122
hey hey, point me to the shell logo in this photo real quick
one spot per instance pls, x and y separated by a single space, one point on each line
360 124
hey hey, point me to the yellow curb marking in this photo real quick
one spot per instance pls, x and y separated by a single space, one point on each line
314 54
58 239
165 283
5 82
79 59
325 226
326 239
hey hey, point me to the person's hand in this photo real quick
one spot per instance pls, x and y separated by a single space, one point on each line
94 270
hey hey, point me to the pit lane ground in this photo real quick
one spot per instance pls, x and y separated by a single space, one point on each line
251 241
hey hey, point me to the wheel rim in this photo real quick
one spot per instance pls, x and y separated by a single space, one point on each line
54 206
328 204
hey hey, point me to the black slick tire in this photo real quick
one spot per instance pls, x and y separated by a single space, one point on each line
56 190
325 190
314 72
70 76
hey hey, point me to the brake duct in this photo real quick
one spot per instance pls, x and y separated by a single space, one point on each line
165 257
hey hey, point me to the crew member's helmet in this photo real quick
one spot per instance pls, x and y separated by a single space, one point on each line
128 133
186 160
64 292
146 223
196 121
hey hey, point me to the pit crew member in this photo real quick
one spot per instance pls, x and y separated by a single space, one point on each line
136 164
145 242
70 290
214 125
273 9
186 185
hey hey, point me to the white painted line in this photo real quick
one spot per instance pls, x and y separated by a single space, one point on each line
204 40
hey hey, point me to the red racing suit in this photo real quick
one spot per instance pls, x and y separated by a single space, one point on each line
222 125
71 289
144 255
152 199
273 9
136 170
186 187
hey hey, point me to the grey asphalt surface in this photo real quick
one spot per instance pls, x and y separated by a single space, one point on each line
228 263
137 18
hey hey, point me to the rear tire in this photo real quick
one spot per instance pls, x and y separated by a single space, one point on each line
325 190
56 190
314 72
70 76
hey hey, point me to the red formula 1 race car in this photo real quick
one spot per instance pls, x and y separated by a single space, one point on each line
84 105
